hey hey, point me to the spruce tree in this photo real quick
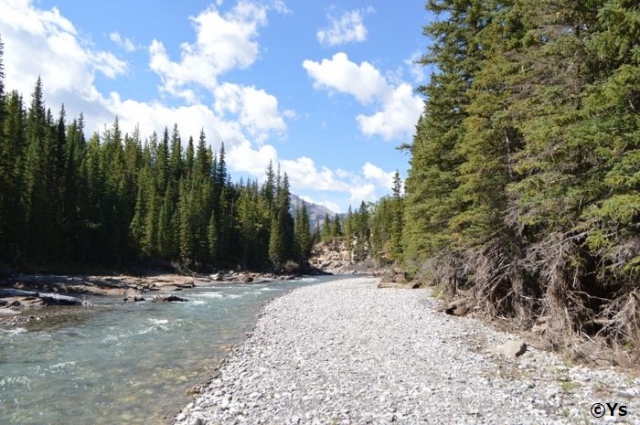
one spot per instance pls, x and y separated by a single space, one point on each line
327 228
336 226
303 237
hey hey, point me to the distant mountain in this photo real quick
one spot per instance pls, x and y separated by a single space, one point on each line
316 212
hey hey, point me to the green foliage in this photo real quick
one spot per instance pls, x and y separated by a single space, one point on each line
302 231
525 178
115 200
386 225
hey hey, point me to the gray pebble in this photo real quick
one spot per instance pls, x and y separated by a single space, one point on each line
346 352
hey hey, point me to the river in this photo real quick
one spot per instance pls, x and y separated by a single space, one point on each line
125 363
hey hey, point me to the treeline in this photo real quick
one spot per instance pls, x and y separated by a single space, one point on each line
524 180
114 200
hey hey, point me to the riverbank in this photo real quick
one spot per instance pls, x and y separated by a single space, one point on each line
345 352
23 294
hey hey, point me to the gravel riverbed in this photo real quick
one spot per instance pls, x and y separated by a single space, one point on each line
345 352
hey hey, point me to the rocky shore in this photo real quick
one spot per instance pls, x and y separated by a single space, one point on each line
346 352
23 294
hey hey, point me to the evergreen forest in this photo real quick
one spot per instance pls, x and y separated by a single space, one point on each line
523 192
114 200
524 180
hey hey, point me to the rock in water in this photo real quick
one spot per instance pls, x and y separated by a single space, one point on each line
169 298
56 299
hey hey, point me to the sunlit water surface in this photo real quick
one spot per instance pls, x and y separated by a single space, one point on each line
125 363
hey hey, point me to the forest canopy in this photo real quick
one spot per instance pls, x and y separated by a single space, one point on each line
114 200
525 168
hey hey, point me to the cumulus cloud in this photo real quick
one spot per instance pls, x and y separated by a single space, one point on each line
344 29
398 117
66 62
399 107
363 81
256 109
121 41
377 174
304 173
224 41
367 186
246 158
363 192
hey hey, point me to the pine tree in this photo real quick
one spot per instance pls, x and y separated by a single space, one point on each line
176 155
186 227
212 238
13 217
303 237
189 160
327 226
336 227
396 226
316 237
348 224
203 162
162 165
277 254
37 213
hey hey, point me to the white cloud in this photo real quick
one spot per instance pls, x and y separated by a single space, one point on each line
256 109
399 106
280 7
303 173
364 192
368 186
397 118
327 204
154 116
345 29
19 15
123 42
67 63
223 42
343 174
377 174
108 64
68 66
363 81
245 158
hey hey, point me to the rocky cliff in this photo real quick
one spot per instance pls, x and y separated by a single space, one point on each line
332 256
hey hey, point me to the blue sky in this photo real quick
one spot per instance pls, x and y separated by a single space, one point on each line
324 88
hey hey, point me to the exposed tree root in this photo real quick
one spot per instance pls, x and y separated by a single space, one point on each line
551 289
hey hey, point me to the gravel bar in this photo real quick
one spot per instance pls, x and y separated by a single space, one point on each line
345 352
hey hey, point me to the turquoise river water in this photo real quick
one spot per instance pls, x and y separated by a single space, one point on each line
125 363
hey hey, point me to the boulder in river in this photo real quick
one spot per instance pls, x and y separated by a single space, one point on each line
169 298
